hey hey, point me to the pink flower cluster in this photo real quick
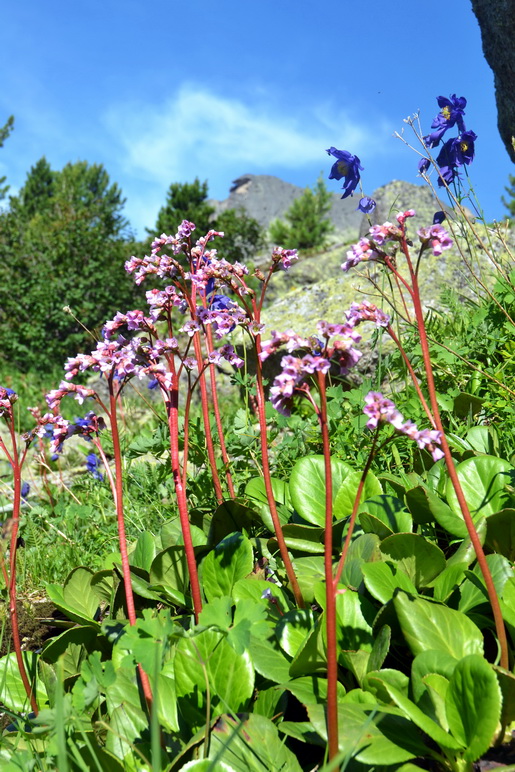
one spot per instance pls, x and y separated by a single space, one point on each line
380 409
7 398
283 258
367 312
435 237
320 356
292 378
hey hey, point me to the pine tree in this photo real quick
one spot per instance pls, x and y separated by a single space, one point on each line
63 242
4 133
306 224
185 201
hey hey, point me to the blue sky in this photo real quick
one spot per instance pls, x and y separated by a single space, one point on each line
162 91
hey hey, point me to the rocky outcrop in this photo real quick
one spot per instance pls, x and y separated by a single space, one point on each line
267 198
497 22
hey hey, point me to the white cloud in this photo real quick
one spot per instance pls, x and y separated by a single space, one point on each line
197 132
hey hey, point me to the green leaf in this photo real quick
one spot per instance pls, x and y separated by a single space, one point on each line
12 693
426 625
127 718
484 480
380 648
437 686
362 550
145 551
500 533
309 571
427 662
473 593
507 684
231 560
72 646
347 492
426 506
229 517
430 727
230 675
420 559
473 705
390 511
169 570
383 579
451 577
301 538
293 629
251 744
371 735
307 486
76 599
373 683
268 660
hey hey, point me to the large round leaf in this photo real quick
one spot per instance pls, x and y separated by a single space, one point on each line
307 486
231 559
420 559
13 696
426 625
473 705
484 480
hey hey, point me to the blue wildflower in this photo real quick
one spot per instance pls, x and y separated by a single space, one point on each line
92 464
451 113
439 217
25 489
366 205
347 166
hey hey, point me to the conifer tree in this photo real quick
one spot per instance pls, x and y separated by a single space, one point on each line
306 224
4 133
185 201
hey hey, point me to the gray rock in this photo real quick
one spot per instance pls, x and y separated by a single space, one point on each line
267 198
497 22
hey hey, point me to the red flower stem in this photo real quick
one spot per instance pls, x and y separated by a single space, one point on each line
122 539
13 610
411 371
481 559
172 408
205 414
330 597
352 519
218 419
186 436
283 549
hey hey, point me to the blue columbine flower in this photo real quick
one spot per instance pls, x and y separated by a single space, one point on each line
458 151
366 205
439 217
451 113
347 166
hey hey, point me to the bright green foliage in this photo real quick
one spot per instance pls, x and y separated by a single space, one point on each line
243 236
5 130
306 224
185 201
510 202
63 242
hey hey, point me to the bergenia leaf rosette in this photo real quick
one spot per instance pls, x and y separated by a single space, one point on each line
381 410
346 166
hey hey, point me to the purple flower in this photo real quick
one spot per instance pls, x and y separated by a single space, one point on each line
347 166
25 489
439 217
451 113
366 205
92 464
436 237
